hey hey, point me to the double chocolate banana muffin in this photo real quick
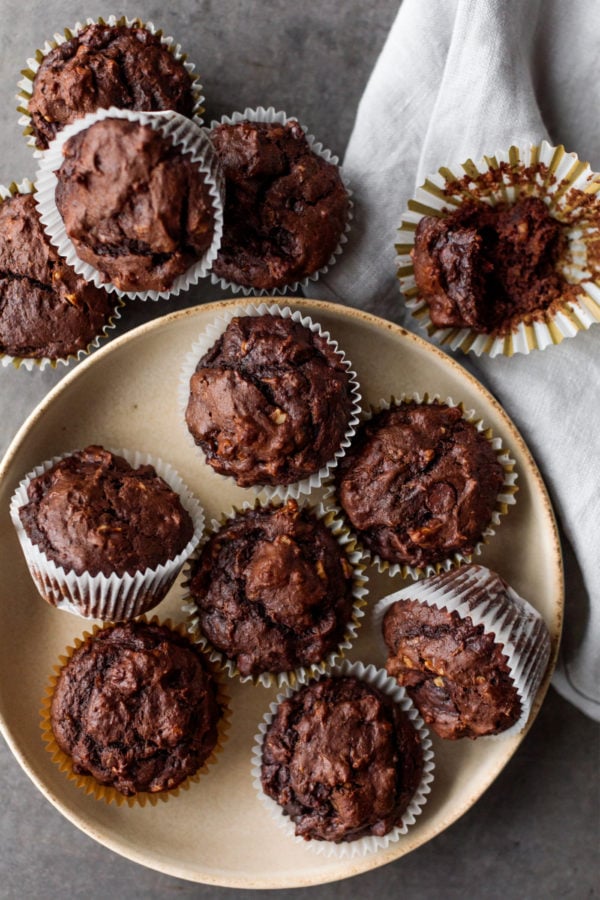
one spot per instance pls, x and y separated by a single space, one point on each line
136 708
273 590
342 760
419 483
46 309
104 66
135 206
286 208
270 402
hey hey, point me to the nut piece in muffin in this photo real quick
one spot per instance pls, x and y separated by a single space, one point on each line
273 590
135 206
342 760
92 512
286 208
104 66
46 309
488 268
136 708
270 402
419 483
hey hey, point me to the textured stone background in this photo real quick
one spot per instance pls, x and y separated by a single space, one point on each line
534 833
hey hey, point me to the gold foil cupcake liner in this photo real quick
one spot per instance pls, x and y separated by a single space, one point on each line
208 338
33 64
379 679
504 500
270 115
517 626
303 673
569 189
31 363
106 793
185 135
113 597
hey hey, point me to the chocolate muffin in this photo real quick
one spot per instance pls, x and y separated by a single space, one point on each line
270 402
136 708
488 268
273 590
104 66
455 673
46 309
92 512
135 207
342 760
285 210
419 483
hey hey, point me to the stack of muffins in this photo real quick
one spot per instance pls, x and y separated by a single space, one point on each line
132 202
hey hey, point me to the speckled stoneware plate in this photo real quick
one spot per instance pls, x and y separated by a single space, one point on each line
218 832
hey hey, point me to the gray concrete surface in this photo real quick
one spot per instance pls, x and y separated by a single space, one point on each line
534 834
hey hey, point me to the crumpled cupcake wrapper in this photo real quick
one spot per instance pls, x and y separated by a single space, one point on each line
505 499
208 338
184 134
378 678
104 792
302 674
34 63
477 592
113 597
571 192
31 363
260 114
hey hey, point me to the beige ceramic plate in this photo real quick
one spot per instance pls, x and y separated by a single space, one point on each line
218 832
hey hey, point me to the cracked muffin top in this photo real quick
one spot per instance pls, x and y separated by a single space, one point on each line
46 309
285 209
104 66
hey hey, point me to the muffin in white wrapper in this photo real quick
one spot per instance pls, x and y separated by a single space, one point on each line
380 681
569 189
109 597
39 363
505 498
206 341
299 675
521 642
269 116
26 85
185 136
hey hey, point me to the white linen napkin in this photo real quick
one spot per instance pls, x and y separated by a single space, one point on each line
457 79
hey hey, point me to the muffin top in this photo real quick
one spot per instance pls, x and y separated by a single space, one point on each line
285 209
342 759
419 483
489 268
136 708
46 309
135 207
270 401
104 66
92 512
455 673
273 589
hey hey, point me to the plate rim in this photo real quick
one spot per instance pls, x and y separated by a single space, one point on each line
346 868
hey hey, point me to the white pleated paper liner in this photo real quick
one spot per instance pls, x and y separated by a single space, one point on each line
208 338
34 63
184 134
271 115
505 499
302 674
31 363
481 594
113 597
570 190
379 679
